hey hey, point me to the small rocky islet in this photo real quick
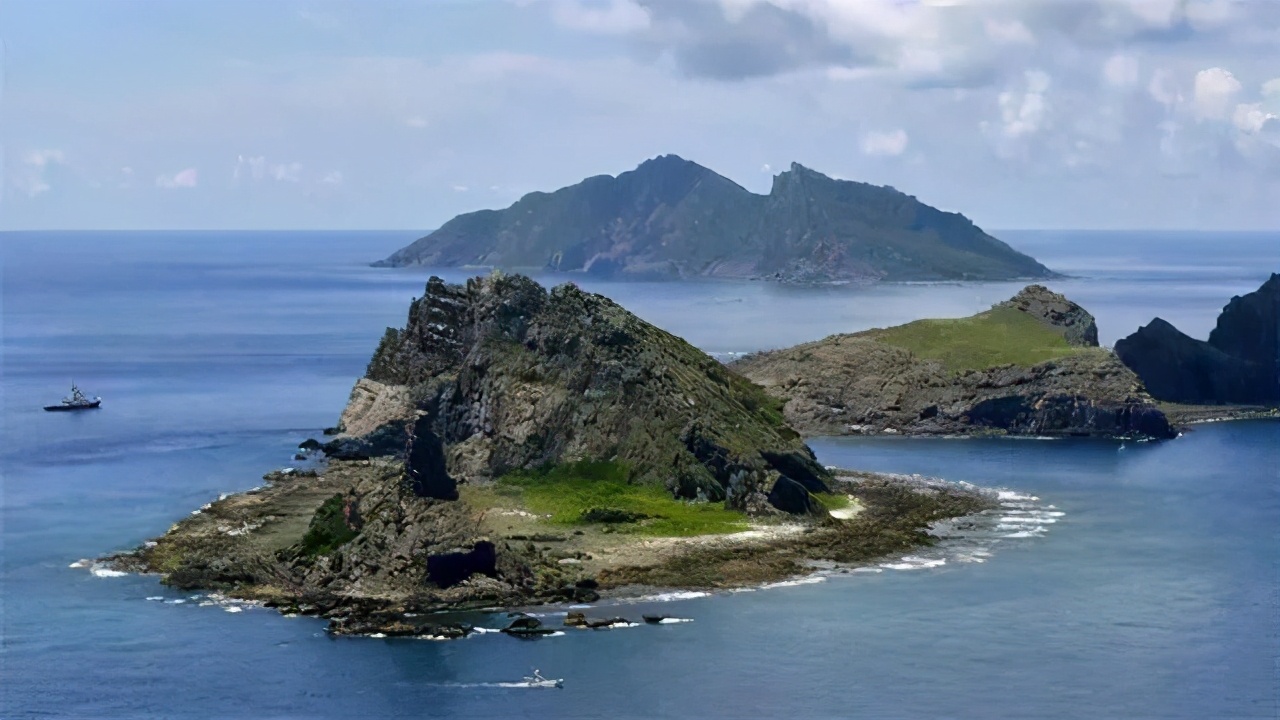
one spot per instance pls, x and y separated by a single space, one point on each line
512 446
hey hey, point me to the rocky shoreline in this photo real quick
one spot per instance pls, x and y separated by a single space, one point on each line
227 547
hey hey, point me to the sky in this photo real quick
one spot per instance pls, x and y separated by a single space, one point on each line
301 114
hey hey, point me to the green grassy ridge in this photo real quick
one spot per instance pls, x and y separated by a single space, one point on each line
566 491
1000 336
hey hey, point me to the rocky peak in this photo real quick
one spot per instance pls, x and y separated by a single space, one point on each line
1075 323
1240 364
1249 326
510 376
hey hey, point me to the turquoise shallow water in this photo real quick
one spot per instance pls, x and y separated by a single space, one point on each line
1155 593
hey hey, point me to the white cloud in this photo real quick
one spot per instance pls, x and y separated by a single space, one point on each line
258 168
1011 32
1023 113
1121 70
459 188
892 142
30 178
250 167
1215 91
188 178
613 17
417 121
1251 118
766 168
41 158
1271 95
333 177
287 172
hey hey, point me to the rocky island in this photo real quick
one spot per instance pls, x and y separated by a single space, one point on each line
671 218
511 446
1239 364
1028 366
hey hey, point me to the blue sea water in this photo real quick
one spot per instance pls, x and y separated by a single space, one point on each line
1155 593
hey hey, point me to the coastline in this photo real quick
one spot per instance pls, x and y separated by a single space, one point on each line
229 547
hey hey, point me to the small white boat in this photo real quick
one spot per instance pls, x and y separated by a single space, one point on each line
536 680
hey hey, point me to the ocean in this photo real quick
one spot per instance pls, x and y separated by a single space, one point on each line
1137 580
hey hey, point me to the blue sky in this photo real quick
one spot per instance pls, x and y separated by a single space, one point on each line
301 114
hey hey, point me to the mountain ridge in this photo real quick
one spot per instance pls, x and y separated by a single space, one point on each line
671 218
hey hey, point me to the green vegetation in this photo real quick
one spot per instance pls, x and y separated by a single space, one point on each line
831 501
328 530
569 491
1000 336
755 399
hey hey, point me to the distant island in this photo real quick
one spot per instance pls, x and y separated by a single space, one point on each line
671 218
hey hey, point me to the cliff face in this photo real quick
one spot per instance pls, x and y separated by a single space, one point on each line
672 218
906 379
1240 364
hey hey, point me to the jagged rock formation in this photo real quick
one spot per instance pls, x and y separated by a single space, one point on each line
511 377
1240 364
671 218
869 382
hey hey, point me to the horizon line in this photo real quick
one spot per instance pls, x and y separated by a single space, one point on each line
430 230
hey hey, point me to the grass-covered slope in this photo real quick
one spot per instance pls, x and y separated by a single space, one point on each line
1000 336
1027 366
581 494
673 218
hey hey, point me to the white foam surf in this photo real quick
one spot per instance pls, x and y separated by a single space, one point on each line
811 580
672 596
912 562
1011 495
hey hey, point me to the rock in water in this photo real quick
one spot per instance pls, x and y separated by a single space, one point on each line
671 218
1240 364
